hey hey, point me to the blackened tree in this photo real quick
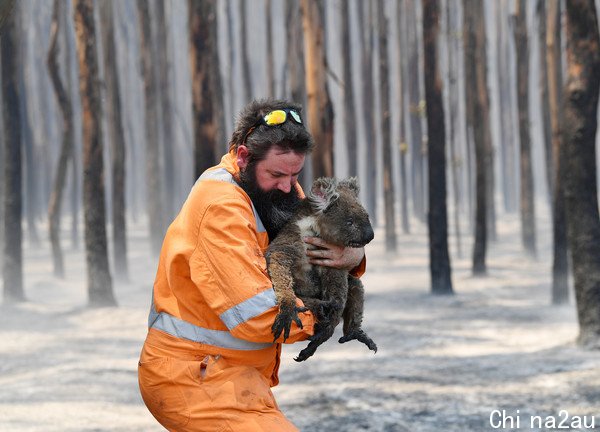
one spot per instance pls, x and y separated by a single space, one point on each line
100 290
581 195
441 280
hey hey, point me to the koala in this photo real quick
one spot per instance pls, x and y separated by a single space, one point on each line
332 212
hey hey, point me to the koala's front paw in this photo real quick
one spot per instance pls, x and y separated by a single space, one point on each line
283 321
360 336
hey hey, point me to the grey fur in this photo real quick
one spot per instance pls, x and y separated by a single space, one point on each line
332 212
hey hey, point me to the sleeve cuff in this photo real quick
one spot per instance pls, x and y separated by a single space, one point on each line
360 269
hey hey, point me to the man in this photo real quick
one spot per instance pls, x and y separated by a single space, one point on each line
209 359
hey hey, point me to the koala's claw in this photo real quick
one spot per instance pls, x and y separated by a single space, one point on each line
360 336
307 352
283 321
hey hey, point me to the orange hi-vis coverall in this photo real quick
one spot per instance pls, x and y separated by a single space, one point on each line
209 359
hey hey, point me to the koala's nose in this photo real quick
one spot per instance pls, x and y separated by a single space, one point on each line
368 234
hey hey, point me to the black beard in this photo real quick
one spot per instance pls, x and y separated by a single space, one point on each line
275 208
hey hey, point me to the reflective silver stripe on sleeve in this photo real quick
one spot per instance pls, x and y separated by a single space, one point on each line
222 174
248 309
185 330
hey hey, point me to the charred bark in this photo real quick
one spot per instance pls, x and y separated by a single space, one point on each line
204 67
166 106
13 206
507 138
66 151
99 280
296 71
484 126
153 186
320 107
246 76
402 109
543 85
441 279
386 145
560 265
416 113
581 195
6 9
453 95
116 135
349 106
269 51
475 107
366 25
295 53
527 202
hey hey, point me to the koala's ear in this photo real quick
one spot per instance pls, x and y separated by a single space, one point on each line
351 184
323 193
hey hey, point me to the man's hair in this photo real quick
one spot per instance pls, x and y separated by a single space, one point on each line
288 136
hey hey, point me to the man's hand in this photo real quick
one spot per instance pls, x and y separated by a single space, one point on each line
329 255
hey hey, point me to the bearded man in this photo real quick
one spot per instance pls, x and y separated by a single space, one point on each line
209 359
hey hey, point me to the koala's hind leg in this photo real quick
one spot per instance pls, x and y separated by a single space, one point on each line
330 310
353 315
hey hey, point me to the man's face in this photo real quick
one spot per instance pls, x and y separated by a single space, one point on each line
279 170
271 185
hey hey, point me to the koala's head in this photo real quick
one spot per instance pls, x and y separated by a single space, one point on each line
342 220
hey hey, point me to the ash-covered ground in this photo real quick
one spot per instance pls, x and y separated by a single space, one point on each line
450 363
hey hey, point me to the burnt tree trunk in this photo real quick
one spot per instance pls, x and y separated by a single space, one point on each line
33 193
116 135
349 106
269 50
13 206
153 171
231 34
365 20
6 9
441 279
506 133
296 83
543 85
581 195
416 113
75 162
203 32
295 53
484 125
452 44
2 180
320 108
527 198
99 281
68 137
166 106
247 89
402 109
386 132
560 264
473 33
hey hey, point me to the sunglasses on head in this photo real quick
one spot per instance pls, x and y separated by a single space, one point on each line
275 118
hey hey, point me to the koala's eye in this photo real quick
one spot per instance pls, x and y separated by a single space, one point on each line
349 222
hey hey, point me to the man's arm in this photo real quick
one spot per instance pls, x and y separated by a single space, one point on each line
240 292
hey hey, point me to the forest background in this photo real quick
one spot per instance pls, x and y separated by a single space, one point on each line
470 124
